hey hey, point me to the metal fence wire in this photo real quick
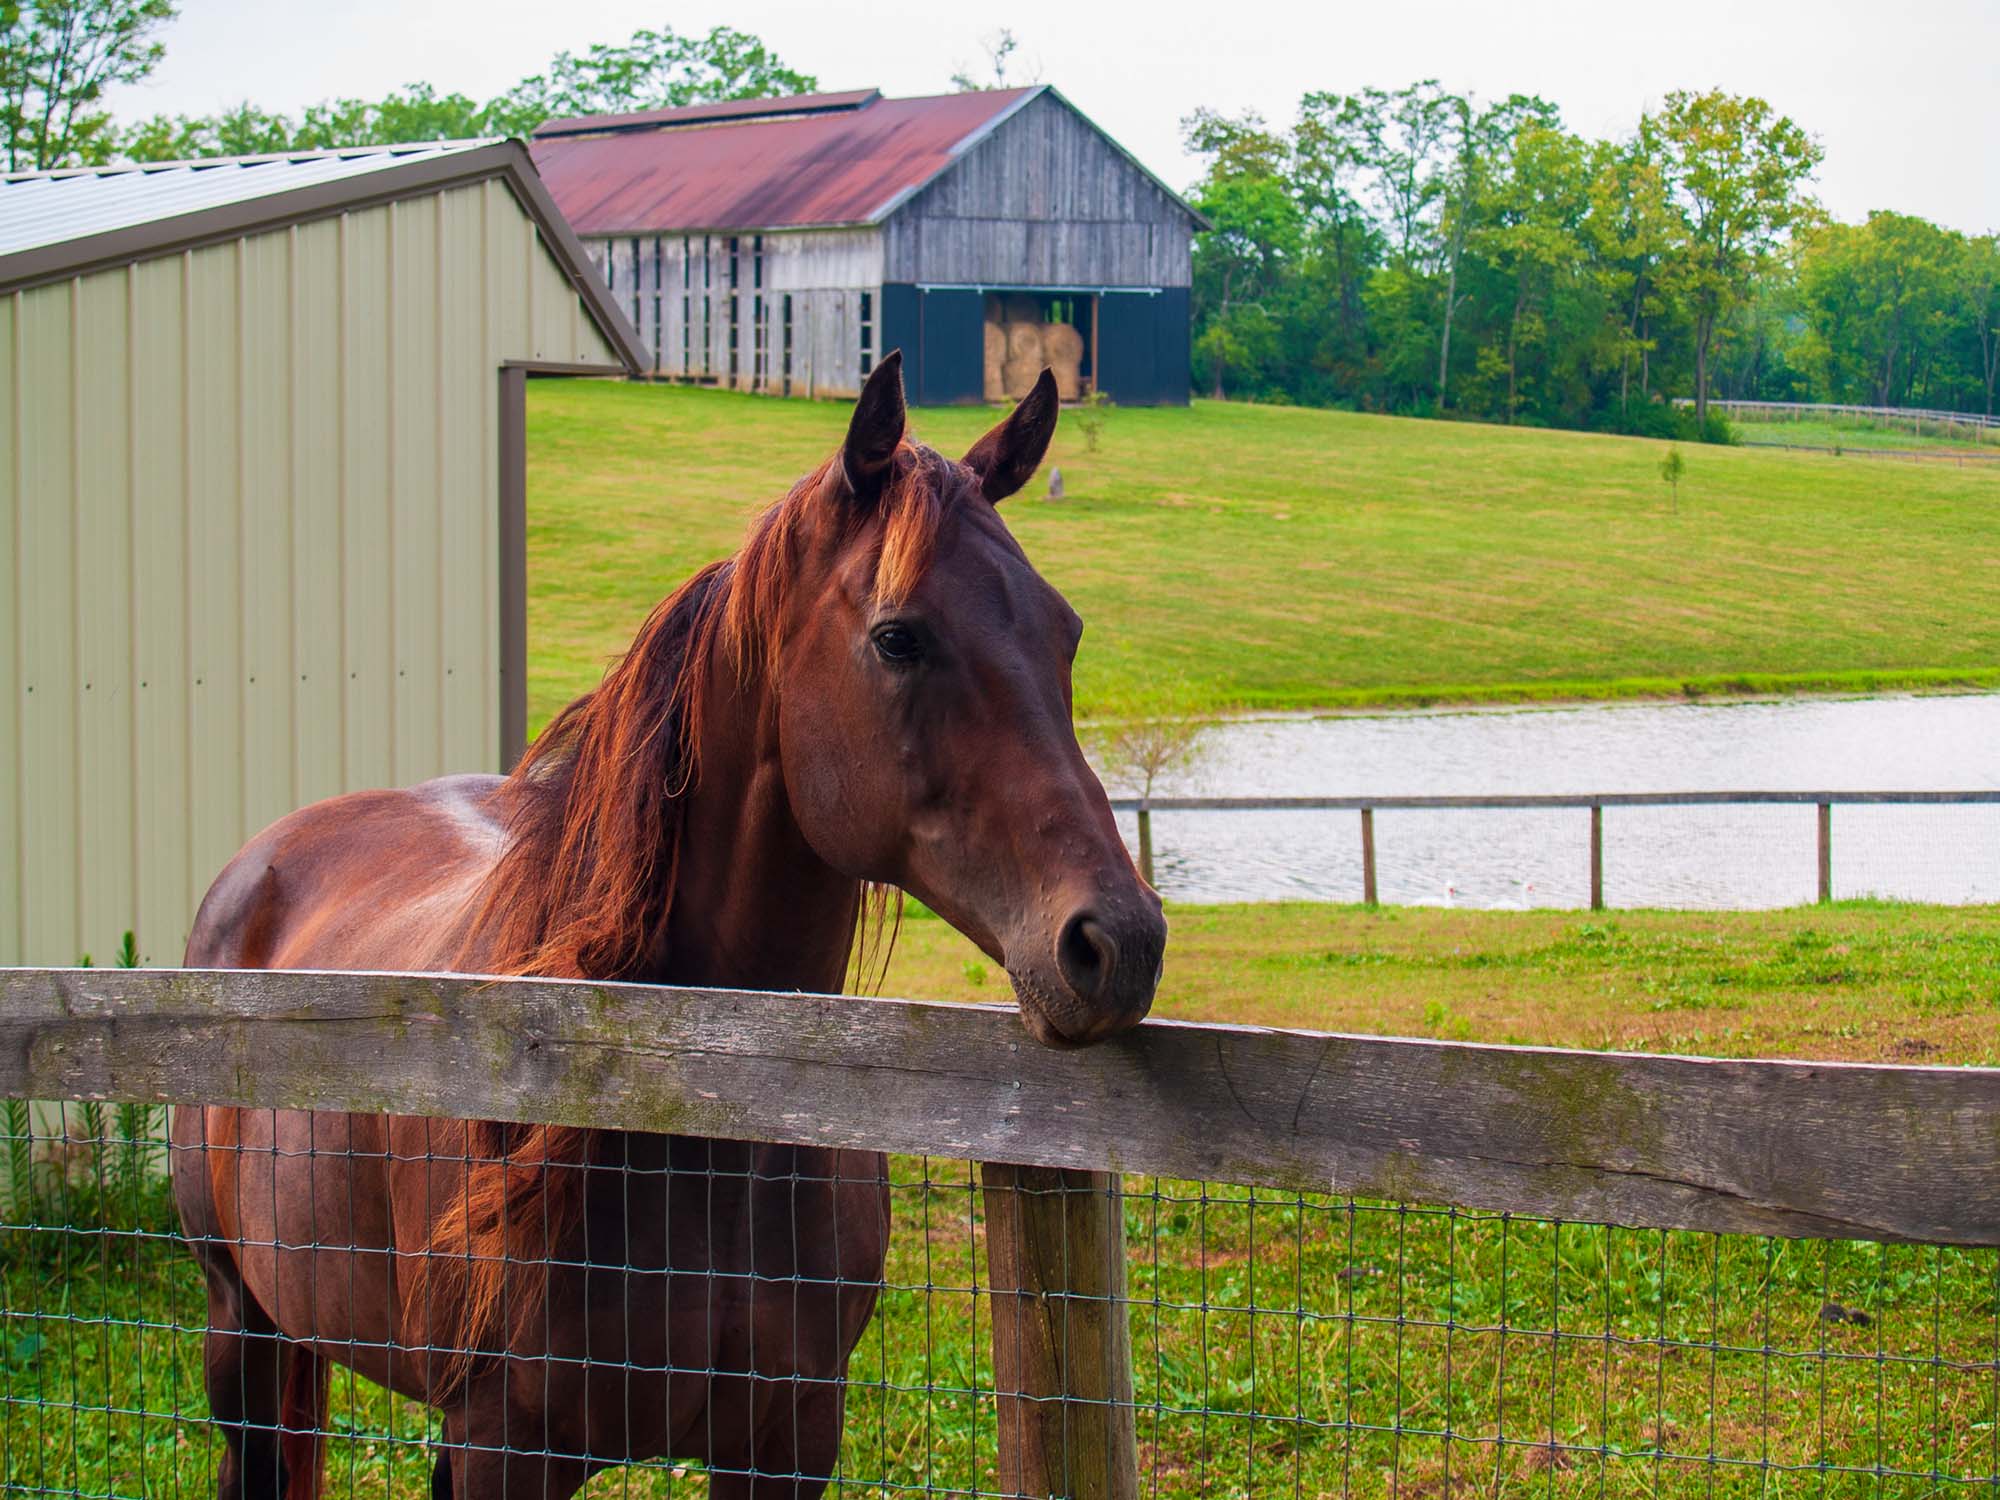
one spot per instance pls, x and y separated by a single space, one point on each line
1280 1343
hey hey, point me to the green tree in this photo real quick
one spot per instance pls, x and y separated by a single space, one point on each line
1979 287
1631 231
1736 171
1672 467
1529 227
653 70
1241 264
57 58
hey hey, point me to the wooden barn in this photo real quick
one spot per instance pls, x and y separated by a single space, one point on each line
262 504
783 245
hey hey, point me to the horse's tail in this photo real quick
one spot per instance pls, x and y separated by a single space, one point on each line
521 1195
302 1422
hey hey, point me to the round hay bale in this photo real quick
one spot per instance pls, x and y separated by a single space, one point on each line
1062 343
995 358
1024 341
1062 347
996 311
1018 377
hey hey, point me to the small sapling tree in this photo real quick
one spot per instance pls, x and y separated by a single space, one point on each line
1672 467
1160 732
1090 415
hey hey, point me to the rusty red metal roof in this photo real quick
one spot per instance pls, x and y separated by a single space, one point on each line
814 159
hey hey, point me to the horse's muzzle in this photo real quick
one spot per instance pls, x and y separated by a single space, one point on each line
1105 968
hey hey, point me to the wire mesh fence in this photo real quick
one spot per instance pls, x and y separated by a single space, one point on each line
1279 1342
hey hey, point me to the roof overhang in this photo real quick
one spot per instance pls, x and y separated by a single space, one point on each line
506 160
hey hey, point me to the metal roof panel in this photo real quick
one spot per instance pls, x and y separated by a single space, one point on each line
793 171
39 209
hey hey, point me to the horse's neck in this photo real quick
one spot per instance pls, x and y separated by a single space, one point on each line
754 907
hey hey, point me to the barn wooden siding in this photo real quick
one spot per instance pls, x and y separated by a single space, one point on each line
1045 200
248 541
784 312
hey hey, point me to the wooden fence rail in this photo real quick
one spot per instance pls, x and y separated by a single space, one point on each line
1784 1148
1596 802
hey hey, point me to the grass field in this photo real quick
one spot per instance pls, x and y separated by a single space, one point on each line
1281 558
1283 1344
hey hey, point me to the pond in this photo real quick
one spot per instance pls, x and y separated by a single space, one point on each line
1720 857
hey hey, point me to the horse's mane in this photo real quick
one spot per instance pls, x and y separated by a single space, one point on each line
586 886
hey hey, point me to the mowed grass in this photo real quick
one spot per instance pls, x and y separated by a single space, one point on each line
1283 1344
1283 558
1855 981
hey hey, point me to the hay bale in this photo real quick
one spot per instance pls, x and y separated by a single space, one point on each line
995 358
1062 348
1024 341
1018 377
995 310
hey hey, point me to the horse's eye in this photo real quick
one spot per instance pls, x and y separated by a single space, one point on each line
897 644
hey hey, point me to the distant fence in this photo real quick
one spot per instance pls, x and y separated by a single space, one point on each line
1780 411
1198 1260
1596 803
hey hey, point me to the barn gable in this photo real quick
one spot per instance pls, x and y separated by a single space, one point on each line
1044 198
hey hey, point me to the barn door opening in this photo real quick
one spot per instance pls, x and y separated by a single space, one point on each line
1027 331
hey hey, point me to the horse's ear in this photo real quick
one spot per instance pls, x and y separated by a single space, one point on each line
1007 457
876 429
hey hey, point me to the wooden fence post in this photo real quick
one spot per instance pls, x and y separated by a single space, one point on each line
1368 856
1826 851
1062 1357
1596 856
1146 844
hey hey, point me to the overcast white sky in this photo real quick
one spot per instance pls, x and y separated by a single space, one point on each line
1906 101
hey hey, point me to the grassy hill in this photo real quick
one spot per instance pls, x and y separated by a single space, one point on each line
1283 558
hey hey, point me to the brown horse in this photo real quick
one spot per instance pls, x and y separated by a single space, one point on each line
875 691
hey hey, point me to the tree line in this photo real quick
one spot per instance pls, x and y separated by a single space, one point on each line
1412 250
59 57
1421 251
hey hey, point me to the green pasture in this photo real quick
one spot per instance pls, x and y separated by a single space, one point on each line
1268 557
1281 1345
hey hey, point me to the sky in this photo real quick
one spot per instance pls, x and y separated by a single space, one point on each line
1903 102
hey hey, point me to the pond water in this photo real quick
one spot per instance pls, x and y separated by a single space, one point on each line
1673 856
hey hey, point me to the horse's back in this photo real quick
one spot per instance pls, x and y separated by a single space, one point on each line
370 880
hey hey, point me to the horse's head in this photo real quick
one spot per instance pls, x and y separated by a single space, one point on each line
922 669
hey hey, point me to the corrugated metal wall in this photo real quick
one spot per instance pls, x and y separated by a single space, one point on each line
791 312
248 545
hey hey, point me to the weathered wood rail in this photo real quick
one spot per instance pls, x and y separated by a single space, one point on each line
1783 1148
1596 802
1779 1148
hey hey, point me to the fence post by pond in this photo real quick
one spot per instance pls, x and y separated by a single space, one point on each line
1826 851
1146 844
1062 1357
1597 856
1368 856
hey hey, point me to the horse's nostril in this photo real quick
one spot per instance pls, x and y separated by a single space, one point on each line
1088 956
